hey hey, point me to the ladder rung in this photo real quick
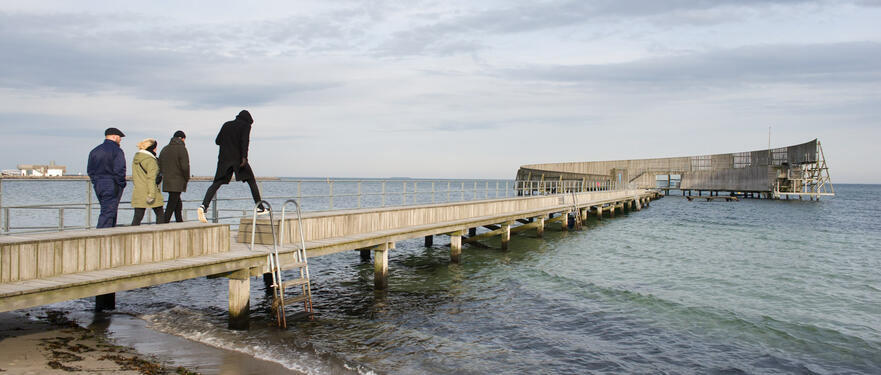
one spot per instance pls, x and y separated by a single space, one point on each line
295 282
292 300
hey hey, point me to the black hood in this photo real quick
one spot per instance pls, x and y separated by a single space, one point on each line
245 116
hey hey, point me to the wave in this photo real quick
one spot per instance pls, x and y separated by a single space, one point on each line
258 343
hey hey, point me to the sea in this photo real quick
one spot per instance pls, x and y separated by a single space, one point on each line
750 287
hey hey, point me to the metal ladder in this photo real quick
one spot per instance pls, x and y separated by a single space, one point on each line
300 262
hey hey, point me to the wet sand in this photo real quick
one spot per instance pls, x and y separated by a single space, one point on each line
114 344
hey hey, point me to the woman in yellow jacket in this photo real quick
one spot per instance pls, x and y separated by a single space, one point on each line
146 193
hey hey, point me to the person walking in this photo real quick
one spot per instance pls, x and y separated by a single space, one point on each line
106 170
174 165
233 140
146 194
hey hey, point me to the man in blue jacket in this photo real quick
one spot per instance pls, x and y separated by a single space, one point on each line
107 171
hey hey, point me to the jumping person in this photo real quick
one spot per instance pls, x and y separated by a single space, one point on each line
233 140
146 193
174 164
106 169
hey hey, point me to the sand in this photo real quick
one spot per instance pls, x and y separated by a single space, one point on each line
54 345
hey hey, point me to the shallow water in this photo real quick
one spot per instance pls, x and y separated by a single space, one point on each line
755 286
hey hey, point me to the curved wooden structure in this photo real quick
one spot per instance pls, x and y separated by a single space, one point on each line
798 170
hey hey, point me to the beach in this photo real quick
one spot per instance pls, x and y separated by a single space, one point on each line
51 343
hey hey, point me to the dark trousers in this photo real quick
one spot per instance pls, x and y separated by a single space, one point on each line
139 215
212 190
174 207
109 201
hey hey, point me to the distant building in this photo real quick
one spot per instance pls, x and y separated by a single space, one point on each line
35 170
10 172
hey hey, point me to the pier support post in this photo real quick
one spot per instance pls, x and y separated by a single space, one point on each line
429 240
612 209
506 235
105 301
380 266
599 212
239 300
564 221
540 229
455 246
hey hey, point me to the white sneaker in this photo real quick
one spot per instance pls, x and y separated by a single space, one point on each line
262 211
201 213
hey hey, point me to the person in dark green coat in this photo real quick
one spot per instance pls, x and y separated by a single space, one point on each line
174 164
146 193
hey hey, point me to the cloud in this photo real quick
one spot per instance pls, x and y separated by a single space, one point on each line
434 32
855 62
63 56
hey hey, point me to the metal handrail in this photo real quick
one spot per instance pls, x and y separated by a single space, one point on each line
254 224
300 257
382 193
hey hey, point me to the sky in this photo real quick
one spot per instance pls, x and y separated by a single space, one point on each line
445 89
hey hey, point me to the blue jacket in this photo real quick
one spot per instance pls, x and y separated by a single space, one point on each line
107 163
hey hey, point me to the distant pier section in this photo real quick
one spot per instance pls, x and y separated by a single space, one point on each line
793 171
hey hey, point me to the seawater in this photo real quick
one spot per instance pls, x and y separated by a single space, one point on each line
755 286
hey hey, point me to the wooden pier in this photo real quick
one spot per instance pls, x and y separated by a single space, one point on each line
38 269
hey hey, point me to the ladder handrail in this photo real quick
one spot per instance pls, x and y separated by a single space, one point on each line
268 207
299 223
301 253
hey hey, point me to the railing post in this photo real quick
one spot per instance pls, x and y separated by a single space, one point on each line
3 215
404 195
330 183
432 192
359 194
463 190
214 211
6 220
486 190
448 191
61 219
88 204
299 190
383 194
474 191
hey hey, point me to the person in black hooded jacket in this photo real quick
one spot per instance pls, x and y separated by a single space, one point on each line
232 158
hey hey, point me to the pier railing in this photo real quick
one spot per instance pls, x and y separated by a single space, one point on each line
316 194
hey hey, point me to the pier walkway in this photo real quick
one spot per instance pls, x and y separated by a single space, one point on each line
38 269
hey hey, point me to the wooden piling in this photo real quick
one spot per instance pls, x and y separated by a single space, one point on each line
239 300
506 235
380 266
105 302
455 246
540 229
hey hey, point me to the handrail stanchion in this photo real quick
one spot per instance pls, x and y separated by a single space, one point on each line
216 218
88 204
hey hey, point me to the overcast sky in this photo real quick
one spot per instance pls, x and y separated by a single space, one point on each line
447 89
